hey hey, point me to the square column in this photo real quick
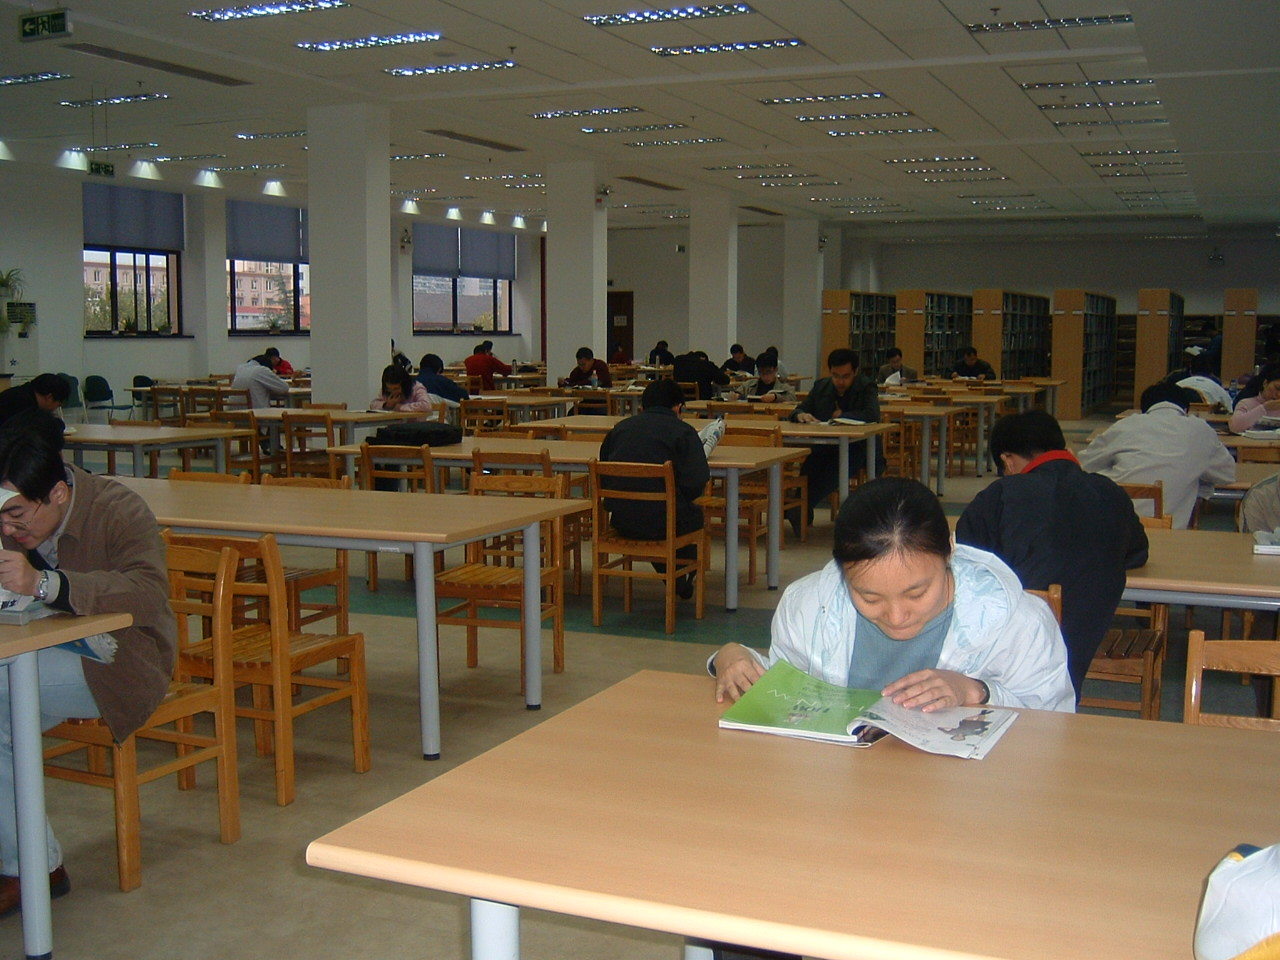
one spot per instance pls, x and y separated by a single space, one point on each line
577 265
349 222
204 287
801 297
713 272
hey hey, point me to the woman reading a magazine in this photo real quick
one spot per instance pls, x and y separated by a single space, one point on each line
900 610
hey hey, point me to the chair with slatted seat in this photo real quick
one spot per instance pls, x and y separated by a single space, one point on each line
753 493
202 402
306 437
1134 655
492 577
234 399
1147 491
479 415
199 593
299 580
246 453
170 405
395 467
1259 658
613 555
277 661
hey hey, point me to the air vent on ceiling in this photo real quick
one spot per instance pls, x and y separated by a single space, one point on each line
475 141
767 213
137 60
649 183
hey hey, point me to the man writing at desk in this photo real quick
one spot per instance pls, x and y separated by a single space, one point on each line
766 387
83 544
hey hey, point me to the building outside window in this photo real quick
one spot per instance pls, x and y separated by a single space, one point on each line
267 246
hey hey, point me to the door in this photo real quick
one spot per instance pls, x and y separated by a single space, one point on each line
620 326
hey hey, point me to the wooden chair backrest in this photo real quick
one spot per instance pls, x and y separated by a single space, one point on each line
511 434
204 476
738 435
586 436
719 408
169 398
315 483
234 399
1258 657
259 581
397 462
1162 522
690 389
481 416
1269 454
635 482
1053 597
199 593
203 400
528 464
1147 491
308 405
305 434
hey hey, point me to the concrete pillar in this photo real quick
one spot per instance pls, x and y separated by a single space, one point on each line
801 296
349 211
577 265
713 272
204 287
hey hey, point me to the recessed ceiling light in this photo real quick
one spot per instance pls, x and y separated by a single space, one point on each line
1099 104
1129 153
688 142
837 117
774 176
234 168
663 16
525 184
1107 123
975 168
273 188
740 46
963 179
1074 84
361 43
416 156
15 79
750 166
584 112
481 177
266 9
822 98
181 157
1049 23
107 147
272 135
450 68
845 201
881 133
931 160
799 183
638 128
112 101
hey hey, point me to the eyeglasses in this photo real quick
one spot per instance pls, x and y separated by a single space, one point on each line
10 520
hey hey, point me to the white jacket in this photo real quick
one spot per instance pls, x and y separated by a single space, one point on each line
1184 453
998 634
262 384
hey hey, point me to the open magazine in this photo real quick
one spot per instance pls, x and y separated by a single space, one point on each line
846 421
710 435
790 703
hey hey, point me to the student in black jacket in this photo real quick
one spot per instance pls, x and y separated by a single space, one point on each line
1054 523
46 392
694 367
655 435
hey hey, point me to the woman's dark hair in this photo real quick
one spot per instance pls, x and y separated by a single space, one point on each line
890 515
31 453
1258 381
394 373
1165 392
1026 435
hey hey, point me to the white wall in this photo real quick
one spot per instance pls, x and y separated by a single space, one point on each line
649 263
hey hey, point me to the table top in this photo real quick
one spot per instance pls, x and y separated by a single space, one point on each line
1233 441
344 416
1207 561
789 429
530 400
1247 474
50 631
348 514
104 434
921 409
1079 836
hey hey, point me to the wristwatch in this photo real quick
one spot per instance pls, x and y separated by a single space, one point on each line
42 587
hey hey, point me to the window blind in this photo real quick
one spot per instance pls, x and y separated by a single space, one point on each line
487 254
435 250
265 231
133 218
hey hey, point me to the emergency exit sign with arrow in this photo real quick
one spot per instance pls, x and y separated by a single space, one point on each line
44 25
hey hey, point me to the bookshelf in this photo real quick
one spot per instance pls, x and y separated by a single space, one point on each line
1011 332
931 329
1158 338
1084 350
862 321
1240 350
1126 338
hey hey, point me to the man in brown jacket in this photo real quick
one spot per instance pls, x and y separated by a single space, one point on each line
82 544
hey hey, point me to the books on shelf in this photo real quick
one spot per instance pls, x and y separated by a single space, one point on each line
788 702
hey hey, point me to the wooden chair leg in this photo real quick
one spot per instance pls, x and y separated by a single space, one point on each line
124 758
282 723
597 590
262 731
360 713
224 730
371 577
187 775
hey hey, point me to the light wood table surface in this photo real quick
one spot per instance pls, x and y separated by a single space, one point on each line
530 406
726 461
927 413
1078 837
416 523
1247 474
140 440
1206 568
19 645
345 420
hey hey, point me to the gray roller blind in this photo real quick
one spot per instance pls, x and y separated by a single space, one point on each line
435 250
129 217
265 231
487 254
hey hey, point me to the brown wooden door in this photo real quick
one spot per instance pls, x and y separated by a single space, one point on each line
621 323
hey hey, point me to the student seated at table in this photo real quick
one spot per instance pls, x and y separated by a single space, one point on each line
696 367
283 367
47 392
765 386
483 364
893 371
1264 403
258 376
898 609
738 361
83 544
431 376
970 367
661 355
587 372
400 392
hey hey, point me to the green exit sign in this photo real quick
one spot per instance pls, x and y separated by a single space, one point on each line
100 168
44 25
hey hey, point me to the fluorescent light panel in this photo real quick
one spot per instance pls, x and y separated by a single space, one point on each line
1139 152
1080 84
1107 123
799 183
688 142
901 131
918 160
108 147
432 69
266 10
739 46
525 184
238 167
273 135
584 112
963 179
638 128
750 166
113 101
701 12
1099 104
847 201
976 168
481 177
14 79
1049 23
774 176
416 156
363 43
182 157
837 117
822 98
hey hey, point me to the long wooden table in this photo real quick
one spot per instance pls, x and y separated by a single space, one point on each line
19 646
725 461
1206 568
415 523
347 421
1079 836
141 440
927 413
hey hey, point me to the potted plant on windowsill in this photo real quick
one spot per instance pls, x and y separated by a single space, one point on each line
11 288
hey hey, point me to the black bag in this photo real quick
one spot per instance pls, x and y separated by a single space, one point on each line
414 433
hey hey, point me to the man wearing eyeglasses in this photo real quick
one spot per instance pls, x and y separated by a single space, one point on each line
85 545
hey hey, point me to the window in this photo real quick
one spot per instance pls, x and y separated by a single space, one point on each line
132 244
267 246
461 279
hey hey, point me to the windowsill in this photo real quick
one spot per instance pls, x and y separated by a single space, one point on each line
106 335
268 333
465 333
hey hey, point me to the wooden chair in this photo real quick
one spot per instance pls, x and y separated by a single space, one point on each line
201 404
205 476
690 389
1251 657
306 437
403 465
479 416
199 592
246 453
308 405
490 579
298 580
153 456
169 405
234 399
1053 597
1147 491
275 660
1269 454
1134 655
613 555
753 494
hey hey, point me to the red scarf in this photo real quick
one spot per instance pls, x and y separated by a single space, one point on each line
1050 456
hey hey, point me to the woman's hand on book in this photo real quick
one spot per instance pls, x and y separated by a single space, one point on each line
930 690
736 670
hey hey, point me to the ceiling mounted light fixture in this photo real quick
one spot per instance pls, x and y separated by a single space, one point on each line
822 98
416 156
1099 104
363 43
584 112
838 117
701 12
450 68
1140 152
43 76
901 131
109 147
750 166
181 157
638 128
1077 84
240 167
1050 23
688 142
266 10
740 46
274 135
482 177
1107 123
931 160
113 101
